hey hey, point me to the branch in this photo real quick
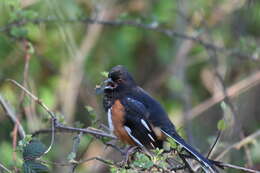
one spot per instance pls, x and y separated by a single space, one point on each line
227 165
82 161
36 99
75 147
11 113
67 129
214 144
58 125
236 89
127 23
53 122
89 130
4 168
239 144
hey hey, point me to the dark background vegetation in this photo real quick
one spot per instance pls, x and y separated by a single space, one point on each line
200 59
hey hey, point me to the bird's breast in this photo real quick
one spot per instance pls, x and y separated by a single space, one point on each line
116 120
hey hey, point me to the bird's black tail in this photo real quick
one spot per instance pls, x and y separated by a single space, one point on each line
206 164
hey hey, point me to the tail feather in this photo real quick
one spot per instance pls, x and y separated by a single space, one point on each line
206 164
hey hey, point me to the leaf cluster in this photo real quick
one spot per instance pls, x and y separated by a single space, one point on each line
31 153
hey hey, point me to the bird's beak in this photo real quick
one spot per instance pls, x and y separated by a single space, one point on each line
108 84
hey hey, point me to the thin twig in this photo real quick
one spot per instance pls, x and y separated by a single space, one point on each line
14 143
59 128
81 161
227 165
133 23
214 61
214 144
129 23
187 165
236 89
75 147
239 144
52 135
99 159
36 99
11 113
247 151
4 168
89 130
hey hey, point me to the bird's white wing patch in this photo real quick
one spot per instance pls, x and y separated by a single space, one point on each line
110 123
145 124
150 136
128 130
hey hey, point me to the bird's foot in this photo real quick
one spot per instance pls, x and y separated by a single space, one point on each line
114 146
129 151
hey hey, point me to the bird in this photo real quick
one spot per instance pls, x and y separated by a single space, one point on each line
137 119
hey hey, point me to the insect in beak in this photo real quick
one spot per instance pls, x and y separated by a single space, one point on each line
108 84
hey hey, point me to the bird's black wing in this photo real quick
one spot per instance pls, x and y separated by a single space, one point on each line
137 125
158 117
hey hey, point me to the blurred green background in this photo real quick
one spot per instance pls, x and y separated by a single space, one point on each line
54 49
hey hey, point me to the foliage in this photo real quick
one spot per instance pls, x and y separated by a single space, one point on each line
33 150
54 51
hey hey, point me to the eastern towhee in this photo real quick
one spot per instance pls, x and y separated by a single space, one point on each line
138 119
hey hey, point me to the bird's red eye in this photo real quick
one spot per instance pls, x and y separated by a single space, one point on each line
119 80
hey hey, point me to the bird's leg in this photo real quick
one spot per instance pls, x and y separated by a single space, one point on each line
128 153
187 165
105 128
187 155
112 144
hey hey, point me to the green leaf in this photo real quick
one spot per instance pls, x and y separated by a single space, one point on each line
71 156
176 84
15 4
60 117
34 167
22 143
173 144
92 115
222 125
104 73
33 150
89 108
123 15
19 32
158 152
31 48
29 14
223 106
142 161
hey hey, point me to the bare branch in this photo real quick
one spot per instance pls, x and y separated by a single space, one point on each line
214 144
227 165
88 130
82 161
75 147
239 144
58 125
4 168
99 159
59 128
128 23
236 89
36 99
53 122
11 113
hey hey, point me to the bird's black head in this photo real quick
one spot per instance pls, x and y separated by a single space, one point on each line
119 80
